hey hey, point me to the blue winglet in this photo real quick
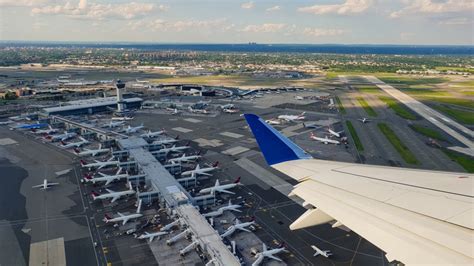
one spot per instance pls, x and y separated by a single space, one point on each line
275 147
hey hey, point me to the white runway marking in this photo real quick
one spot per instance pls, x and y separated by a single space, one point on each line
232 135
182 129
235 150
7 141
206 142
192 120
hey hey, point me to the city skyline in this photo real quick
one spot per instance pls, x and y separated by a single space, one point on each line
417 22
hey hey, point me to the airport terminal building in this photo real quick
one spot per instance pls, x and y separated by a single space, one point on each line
91 106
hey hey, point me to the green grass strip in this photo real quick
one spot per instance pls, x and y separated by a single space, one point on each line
465 161
339 104
397 107
355 137
430 133
366 107
402 149
462 116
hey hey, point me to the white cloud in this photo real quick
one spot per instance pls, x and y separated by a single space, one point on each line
318 32
264 28
348 7
457 21
181 25
248 5
273 8
28 3
84 10
434 7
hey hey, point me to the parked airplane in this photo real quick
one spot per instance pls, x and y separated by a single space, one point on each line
293 118
334 133
173 111
106 178
114 196
32 126
221 188
48 131
122 118
364 120
227 106
324 253
237 226
62 137
324 140
184 158
166 141
6 122
357 195
45 185
90 152
220 211
173 149
131 129
77 144
201 171
99 164
198 111
125 218
151 236
266 253
151 134
113 124
230 111
273 121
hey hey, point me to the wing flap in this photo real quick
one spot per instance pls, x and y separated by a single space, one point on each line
405 235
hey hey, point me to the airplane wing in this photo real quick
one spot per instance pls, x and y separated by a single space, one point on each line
120 214
415 216
102 174
52 184
109 190
125 221
244 229
114 199
273 257
224 191
37 186
108 181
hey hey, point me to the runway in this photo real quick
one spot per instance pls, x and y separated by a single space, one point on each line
429 114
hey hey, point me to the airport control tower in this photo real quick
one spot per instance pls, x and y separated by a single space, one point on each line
120 103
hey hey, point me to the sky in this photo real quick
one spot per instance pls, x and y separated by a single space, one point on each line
438 22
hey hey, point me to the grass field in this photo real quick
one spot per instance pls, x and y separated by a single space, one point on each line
369 89
402 149
426 131
411 80
454 101
366 107
339 104
462 116
355 137
398 108
465 161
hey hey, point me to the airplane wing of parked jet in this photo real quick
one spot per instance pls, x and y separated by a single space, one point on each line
415 216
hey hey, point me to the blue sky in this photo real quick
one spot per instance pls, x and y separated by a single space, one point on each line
231 21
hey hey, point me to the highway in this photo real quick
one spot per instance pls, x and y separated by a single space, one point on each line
428 113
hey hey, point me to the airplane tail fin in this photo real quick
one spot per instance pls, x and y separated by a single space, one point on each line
177 137
216 164
275 147
94 195
83 162
107 218
76 151
237 181
63 143
88 176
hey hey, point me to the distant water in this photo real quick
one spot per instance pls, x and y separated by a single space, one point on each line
270 48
